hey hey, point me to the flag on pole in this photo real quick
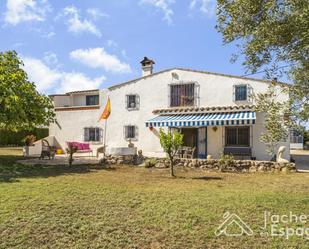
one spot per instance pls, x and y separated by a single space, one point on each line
107 110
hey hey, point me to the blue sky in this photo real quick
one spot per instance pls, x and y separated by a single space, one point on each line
75 45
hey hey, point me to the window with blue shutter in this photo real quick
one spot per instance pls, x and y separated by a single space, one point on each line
241 93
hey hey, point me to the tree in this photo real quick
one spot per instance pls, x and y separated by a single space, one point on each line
276 123
271 34
170 143
22 107
306 137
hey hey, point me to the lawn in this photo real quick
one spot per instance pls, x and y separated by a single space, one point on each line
134 207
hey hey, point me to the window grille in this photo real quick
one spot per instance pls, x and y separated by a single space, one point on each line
242 92
237 136
131 132
132 101
183 94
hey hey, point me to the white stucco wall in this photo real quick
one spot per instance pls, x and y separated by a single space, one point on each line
215 90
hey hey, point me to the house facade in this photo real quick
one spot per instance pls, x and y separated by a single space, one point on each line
213 111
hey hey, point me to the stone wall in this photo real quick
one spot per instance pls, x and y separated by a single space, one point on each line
204 164
235 166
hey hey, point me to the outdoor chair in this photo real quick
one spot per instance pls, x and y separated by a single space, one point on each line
101 149
189 153
47 150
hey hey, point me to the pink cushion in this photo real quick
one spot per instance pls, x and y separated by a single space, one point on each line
78 146
86 146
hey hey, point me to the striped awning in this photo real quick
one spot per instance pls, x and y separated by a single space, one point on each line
203 119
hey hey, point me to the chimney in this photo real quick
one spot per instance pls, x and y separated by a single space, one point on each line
147 66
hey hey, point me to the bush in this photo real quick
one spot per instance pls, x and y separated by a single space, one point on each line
71 150
8 138
29 140
226 161
150 163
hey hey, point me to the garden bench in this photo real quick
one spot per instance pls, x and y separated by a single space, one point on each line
81 147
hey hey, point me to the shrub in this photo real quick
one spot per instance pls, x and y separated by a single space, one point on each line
226 161
71 150
29 140
9 138
150 163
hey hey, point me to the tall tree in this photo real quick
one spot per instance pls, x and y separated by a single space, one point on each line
271 33
21 106
276 123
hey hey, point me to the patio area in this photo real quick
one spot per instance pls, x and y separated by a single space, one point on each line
61 160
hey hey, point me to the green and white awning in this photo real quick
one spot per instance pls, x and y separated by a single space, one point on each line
203 119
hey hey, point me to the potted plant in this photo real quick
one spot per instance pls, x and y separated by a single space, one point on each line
29 141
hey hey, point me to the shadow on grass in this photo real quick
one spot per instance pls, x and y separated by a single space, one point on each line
204 178
207 178
10 171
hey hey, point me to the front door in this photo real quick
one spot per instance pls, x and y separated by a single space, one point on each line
202 142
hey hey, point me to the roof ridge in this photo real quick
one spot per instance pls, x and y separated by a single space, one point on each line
197 71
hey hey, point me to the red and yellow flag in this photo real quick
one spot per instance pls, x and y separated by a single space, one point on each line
107 110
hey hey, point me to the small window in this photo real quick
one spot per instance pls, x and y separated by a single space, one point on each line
132 102
237 136
130 132
92 134
92 100
241 92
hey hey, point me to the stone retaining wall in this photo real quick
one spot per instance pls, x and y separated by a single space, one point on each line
235 166
204 164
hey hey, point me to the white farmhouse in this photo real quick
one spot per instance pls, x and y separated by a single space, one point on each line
213 111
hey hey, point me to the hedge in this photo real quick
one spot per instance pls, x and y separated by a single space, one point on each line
15 138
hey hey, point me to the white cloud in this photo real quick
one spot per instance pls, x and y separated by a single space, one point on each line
44 77
18 11
76 24
99 58
78 81
52 80
164 6
207 7
96 13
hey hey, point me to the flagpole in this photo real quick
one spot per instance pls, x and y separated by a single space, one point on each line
105 138
105 115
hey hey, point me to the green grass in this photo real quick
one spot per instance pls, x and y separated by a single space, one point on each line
130 207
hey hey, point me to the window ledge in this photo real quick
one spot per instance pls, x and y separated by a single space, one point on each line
132 108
